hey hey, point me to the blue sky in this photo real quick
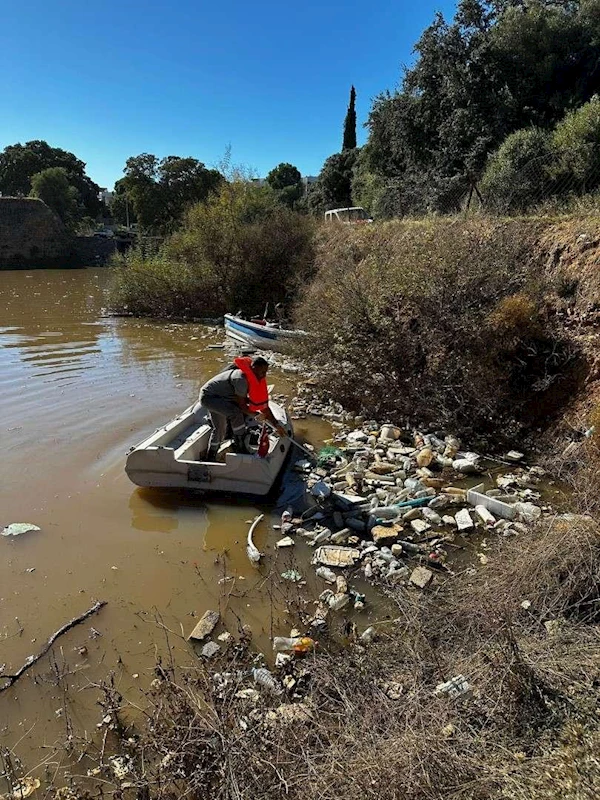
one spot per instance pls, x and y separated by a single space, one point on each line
114 79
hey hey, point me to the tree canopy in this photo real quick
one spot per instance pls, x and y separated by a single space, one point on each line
160 191
52 185
20 162
349 140
286 181
496 68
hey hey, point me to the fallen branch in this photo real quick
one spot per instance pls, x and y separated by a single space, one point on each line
31 660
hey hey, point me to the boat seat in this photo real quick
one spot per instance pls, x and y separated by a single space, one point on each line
182 453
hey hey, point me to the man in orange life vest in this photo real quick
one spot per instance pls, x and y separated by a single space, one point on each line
241 389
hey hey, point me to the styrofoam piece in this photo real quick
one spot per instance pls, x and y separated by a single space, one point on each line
477 497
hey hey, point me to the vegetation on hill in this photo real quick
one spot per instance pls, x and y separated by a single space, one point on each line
499 67
20 162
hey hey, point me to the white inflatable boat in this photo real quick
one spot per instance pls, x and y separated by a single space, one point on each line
173 457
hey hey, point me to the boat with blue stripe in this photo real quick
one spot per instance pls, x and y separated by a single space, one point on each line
263 336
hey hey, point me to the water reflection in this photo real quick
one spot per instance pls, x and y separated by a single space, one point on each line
147 512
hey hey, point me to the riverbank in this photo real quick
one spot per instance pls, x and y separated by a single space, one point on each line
484 326
518 718
527 711
481 681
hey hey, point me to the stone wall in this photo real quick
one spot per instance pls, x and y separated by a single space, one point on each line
31 235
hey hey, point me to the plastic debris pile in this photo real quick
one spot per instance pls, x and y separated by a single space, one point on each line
394 505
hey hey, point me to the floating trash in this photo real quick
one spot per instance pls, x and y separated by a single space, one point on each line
18 528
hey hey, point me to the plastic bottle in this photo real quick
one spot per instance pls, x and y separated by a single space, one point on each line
263 677
425 457
297 644
286 516
326 573
452 447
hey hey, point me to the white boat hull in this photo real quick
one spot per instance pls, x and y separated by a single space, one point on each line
172 457
262 337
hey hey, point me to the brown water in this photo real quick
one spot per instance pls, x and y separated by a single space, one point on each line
78 389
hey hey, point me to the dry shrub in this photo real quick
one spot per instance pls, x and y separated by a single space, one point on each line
515 317
366 722
578 465
557 571
237 251
438 322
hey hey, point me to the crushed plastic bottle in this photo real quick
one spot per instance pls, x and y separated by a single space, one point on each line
296 644
263 677
452 447
425 457
326 573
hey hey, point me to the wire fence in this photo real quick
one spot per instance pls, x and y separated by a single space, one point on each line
552 181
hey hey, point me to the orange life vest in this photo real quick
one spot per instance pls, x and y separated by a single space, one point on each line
258 392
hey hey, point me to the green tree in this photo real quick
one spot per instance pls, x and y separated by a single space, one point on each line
368 188
121 206
497 68
518 174
335 179
283 175
183 182
53 187
312 201
349 141
576 143
160 191
20 162
286 181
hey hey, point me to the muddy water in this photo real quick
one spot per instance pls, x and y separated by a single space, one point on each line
77 389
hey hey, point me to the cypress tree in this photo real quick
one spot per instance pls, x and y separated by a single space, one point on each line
350 123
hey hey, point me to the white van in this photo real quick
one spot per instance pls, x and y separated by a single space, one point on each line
348 216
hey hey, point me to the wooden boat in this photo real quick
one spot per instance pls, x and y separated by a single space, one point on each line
173 457
265 336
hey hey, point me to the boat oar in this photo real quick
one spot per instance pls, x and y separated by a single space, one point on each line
308 452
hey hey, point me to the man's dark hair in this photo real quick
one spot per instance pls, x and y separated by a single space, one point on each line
259 361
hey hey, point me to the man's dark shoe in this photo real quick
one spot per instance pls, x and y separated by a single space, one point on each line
239 446
212 454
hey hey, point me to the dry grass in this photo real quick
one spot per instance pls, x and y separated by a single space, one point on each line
443 322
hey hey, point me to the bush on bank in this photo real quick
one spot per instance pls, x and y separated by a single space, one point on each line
441 321
237 251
